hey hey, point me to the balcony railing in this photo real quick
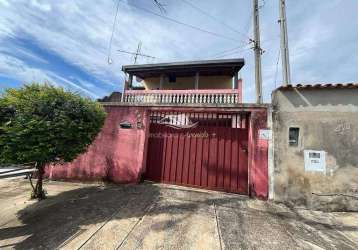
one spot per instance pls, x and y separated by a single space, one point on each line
200 96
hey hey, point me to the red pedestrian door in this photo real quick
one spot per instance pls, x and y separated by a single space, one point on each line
205 150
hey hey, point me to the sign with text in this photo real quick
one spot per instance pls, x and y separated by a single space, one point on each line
315 160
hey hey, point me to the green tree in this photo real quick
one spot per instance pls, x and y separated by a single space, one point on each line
45 124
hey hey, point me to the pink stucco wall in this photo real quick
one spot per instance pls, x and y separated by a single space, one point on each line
117 154
258 155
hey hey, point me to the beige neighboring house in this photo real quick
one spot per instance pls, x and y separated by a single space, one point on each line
315 140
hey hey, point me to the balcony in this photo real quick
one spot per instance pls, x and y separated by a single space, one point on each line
182 97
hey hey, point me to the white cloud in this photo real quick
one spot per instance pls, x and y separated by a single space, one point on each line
4 3
309 39
14 68
79 31
75 87
41 5
30 55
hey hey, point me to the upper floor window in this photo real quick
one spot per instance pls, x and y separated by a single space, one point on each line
172 78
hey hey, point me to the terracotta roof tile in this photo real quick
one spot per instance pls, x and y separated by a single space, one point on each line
320 86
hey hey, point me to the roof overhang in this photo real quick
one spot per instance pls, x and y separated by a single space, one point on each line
189 68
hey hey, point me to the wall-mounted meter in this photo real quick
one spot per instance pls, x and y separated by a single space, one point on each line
315 160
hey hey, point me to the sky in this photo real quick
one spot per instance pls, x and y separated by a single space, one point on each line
67 42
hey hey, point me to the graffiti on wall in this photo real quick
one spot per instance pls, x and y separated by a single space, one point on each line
342 127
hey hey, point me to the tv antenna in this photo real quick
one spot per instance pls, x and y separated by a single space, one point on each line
136 54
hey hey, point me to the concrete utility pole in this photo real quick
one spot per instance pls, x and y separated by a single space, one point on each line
286 73
258 52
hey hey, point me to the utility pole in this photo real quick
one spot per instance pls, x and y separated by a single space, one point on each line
258 52
286 73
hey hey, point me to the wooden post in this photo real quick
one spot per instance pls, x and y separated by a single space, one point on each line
197 80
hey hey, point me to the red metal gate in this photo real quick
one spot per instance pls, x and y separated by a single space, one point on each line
207 150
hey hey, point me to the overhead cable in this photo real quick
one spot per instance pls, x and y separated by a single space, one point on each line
109 60
186 24
215 18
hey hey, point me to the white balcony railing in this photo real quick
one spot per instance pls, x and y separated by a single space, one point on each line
201 96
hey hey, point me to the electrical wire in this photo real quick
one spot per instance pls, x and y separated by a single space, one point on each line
232 53
215 18
160 6
248 24
186 24
228 50
109 60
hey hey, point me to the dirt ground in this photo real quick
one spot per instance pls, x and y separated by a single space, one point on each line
153 216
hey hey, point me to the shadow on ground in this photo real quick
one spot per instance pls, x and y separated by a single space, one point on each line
49 223
52 222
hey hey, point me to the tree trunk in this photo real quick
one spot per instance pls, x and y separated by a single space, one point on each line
39 193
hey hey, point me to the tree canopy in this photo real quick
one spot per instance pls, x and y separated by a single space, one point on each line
46 124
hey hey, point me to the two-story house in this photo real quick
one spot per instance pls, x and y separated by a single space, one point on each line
181 123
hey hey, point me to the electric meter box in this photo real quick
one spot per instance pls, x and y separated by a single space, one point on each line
315 161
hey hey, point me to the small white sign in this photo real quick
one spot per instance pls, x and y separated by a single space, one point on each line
315 160
265 134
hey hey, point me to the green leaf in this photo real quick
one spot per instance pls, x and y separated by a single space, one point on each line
43 123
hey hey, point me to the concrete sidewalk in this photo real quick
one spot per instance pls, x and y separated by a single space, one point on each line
152 216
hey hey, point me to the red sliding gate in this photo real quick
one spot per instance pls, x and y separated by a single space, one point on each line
206 150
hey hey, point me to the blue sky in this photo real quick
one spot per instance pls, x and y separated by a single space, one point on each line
66 42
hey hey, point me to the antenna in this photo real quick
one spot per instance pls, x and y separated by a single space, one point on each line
138 52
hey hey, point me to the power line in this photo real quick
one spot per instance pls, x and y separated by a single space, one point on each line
186 24
228 50
160 6
109 60
214 18
232 53
247 26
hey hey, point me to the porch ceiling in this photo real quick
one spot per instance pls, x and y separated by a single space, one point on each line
188 68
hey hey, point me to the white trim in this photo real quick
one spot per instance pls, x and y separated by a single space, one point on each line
271 155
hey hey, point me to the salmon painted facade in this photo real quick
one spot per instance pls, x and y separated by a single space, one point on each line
180 123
